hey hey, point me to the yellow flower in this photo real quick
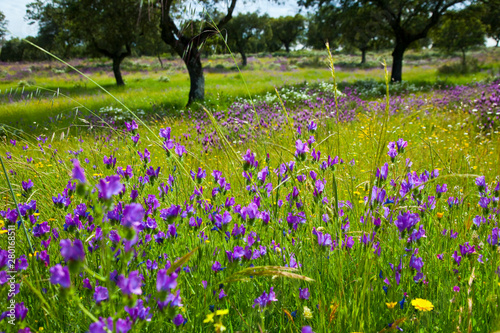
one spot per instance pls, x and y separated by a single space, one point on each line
440 215
307 313
222 312
422 304
210 318
391 305
219 327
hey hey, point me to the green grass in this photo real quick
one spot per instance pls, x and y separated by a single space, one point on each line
346 287
144 90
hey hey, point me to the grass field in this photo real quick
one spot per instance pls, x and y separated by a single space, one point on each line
353 211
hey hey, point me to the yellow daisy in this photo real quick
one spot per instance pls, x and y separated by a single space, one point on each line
422 304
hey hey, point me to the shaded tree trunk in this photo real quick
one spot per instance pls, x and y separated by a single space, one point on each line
116 70
188 48
243 59
464 64
159 59
287 47
195 70
397 61
363 56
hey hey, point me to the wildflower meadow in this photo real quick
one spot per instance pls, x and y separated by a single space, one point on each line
314 207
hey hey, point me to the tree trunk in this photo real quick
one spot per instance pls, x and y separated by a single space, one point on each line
464 64
243 59
159 59
363 56
195 70
287 47
116 71
397 61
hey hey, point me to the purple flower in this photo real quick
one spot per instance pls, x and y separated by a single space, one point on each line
457 258
132 126
146 157
78 172
383 172
139 311
109 161
493 239
441 189
301 149
312 126
60 275
401 144
484 202
21 311
27 186
41 229
21 263
178 320
111 186
165 133
73 251
180 150
481 183
265 299
132 284
323 239
416 263
100 294
304 293
165 282
249 160
306 329
456 289
133 215
406 220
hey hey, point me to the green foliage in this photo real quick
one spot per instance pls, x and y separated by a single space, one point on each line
323 26
363 28
490 15
459 31
246 31
287 31
3 25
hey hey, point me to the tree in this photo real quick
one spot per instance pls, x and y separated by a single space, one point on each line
288 29
108 27
323 26
3 26
490 17
459 31
188 45
242 29
409 20
52 35
362 27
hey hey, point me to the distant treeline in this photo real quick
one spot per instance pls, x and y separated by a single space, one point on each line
120 28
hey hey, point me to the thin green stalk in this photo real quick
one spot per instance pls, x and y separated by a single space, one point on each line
17 206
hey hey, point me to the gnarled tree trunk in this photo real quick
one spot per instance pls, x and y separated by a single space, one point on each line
397 61
195 70
117 72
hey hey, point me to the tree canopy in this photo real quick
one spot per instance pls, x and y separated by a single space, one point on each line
288 30
244 28
3 25
459 31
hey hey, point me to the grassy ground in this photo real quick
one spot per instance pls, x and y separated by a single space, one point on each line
329 231
34 92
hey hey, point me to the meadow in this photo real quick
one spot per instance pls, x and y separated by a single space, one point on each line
338 204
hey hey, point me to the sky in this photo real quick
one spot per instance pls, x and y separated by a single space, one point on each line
15 10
